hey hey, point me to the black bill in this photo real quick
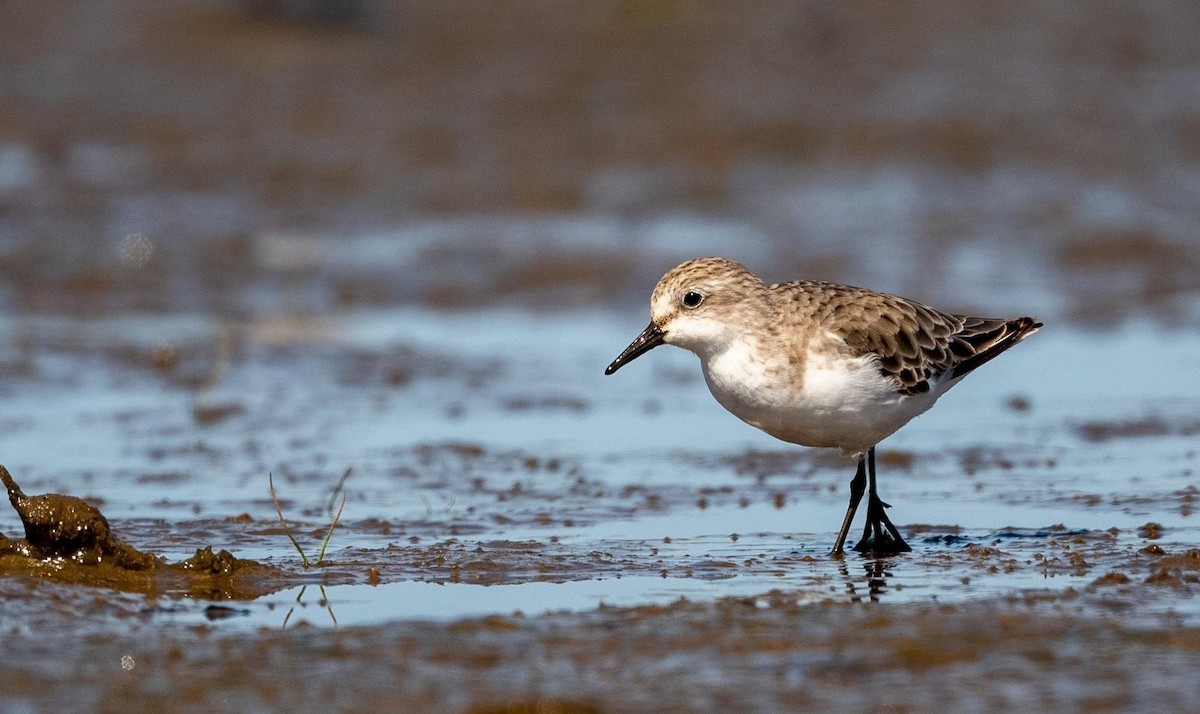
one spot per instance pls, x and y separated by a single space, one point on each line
650 338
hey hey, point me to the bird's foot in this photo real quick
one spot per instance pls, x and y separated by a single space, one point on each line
880 536
882 543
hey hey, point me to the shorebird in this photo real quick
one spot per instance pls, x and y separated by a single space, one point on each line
820 364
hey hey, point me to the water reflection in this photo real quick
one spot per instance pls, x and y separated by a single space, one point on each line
872 583
322 602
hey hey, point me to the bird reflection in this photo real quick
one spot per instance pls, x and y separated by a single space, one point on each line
871 587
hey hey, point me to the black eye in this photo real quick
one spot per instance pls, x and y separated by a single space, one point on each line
692 299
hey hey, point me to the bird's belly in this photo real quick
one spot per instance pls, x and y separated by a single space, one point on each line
843 404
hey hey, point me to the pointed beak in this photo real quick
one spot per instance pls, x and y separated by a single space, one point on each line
650 338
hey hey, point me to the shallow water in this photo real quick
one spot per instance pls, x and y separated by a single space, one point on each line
527 441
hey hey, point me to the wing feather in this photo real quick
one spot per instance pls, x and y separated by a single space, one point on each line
917 345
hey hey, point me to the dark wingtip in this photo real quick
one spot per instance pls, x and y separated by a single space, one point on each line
1018 329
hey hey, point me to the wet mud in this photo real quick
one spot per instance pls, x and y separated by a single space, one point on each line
68 540
765 653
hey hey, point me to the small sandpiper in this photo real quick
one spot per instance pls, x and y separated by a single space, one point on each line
820 364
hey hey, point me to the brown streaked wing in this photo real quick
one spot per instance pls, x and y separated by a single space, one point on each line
915 343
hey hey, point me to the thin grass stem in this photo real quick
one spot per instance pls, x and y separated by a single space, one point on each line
287 530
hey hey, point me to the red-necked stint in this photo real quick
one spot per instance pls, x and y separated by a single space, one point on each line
820 364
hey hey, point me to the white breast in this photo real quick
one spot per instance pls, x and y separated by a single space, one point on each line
837 401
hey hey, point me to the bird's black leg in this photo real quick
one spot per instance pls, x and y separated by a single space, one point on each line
857 485
879 535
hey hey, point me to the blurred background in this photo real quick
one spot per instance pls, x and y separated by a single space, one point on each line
253 158
391 246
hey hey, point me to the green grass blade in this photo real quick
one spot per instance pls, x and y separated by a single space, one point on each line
287 530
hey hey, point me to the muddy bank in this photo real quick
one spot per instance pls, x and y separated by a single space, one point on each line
765 654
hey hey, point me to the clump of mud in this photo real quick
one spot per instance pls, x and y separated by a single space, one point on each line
69 539
58 526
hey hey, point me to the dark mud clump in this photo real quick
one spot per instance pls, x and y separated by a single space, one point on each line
58 526
69 539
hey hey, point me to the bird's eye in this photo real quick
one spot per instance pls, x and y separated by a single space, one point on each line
692 299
